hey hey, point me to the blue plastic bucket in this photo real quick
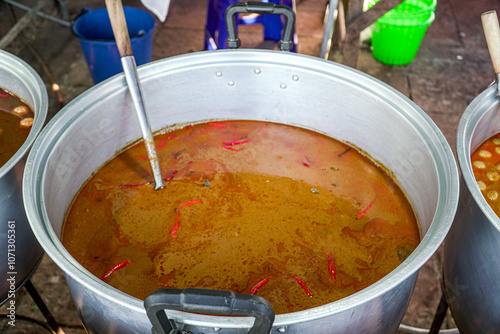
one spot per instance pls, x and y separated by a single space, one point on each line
95 34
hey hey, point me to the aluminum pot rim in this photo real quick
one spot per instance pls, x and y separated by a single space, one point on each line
448 198
14 64
473 114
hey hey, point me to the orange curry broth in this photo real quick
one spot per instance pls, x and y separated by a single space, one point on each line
253 200
13 131
486 167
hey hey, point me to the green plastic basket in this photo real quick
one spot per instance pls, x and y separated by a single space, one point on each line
396 36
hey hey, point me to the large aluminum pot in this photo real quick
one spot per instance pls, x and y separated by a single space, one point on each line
250 85
472 249
20 253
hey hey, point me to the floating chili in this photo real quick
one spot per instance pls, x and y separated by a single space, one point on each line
331 267
170 176
212 127
170 137
190 203
125 186
362 213
4 95
161 144
303 286
115 268
306 163
236 142
221 123
259 285
230 148
176 225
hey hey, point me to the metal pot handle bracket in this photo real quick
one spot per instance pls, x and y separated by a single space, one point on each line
233 42
206 301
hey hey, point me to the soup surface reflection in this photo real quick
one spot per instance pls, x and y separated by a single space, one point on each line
282 212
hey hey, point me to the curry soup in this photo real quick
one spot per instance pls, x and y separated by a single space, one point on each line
16 119
285 213
486 167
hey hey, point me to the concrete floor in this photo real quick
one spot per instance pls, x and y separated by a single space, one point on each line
451 68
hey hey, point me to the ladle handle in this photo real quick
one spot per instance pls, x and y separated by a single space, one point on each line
492 34
233 42
209 302
119 25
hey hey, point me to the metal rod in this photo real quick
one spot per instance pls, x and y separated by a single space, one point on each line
440 315
130 70
497 77
51 321
328 31
41 14
20 25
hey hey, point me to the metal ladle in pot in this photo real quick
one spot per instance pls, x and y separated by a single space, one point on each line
492 33
119 25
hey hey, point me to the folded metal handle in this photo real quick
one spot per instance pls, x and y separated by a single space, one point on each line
206 301
233 42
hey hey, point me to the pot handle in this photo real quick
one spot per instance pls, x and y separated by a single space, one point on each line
233 42
206 301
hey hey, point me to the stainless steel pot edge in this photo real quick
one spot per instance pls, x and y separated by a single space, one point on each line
375 290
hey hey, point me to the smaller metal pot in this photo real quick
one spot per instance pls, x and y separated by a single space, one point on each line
19 251
472 248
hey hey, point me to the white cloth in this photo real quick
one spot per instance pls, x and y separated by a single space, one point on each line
158 7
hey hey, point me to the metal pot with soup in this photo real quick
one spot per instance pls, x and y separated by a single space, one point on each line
23 109
298 180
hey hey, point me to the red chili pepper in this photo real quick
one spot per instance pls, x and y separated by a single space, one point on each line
236 142
170 176
115 268
161 144
212 127
331 267
190 203
230 148
176 225
303 285
4 95
362 213
305 163
259 285
221 123
170 137
125 186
